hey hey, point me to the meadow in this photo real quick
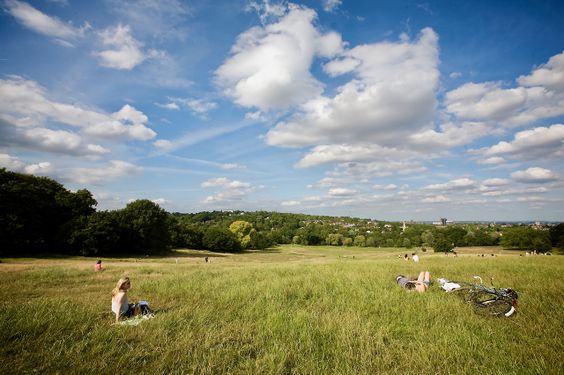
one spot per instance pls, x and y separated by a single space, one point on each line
286 310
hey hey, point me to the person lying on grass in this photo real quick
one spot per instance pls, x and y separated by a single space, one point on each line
421 284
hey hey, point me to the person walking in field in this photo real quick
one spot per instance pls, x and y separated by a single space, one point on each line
421 284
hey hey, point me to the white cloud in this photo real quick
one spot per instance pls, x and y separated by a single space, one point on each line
290 203
496 182
325 154
541 95
392 96
485 101
229 190
385 187
451 135
161 201
11 163
457 184
124 51
225 183
341 192
100 175
44 24
170 105
267 10
455 75
536 143
229 166
436 199
25 109
534 175
14 164
331 5
42 168
492 160
549 75
269 66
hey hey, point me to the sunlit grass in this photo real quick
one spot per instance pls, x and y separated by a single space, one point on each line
305 310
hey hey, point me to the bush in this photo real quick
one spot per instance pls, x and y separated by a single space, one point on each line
442 244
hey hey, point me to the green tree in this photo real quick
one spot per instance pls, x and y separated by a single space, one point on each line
37 213
244 232
334 239
221 239
442 244
360 241
557 236
146 228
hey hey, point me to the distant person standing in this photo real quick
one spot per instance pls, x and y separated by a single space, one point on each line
405 257
98 266
415 257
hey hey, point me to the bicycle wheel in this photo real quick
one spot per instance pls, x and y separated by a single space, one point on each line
465 293
493 307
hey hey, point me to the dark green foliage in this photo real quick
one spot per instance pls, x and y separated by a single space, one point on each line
526 238
557 236
221 239
441 243
145 228
37 214
100 234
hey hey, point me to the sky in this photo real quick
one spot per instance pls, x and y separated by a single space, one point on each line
391 110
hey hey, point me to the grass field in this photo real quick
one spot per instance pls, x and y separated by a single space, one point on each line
290 310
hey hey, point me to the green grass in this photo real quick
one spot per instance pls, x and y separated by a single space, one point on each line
292 310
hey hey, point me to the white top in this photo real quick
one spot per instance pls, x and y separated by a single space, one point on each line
416 258
124 305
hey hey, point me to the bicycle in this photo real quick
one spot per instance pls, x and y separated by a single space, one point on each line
488 301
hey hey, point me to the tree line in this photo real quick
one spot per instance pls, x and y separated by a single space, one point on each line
38 215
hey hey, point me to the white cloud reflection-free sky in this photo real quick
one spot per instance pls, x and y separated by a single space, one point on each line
392 110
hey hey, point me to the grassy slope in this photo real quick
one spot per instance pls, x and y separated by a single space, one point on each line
292 310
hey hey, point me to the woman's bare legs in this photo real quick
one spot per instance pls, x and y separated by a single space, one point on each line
423 281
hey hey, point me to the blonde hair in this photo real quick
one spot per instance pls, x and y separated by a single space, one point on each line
119 285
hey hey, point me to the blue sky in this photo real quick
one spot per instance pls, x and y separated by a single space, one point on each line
396 110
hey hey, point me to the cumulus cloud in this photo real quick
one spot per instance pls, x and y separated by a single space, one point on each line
100 175
456 184
41 23
341 192
391 96
534 175
14 164
225 183
228 190
325 154
536 143
122 51
290 203
450 135
540 95
549 75
269 66
496 182
436 199
25 110
161 201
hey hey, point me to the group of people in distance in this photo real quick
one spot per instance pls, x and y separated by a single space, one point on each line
414 257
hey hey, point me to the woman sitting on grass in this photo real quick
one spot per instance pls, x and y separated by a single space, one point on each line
421 284
120 304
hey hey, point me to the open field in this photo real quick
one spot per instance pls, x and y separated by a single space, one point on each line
289 310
